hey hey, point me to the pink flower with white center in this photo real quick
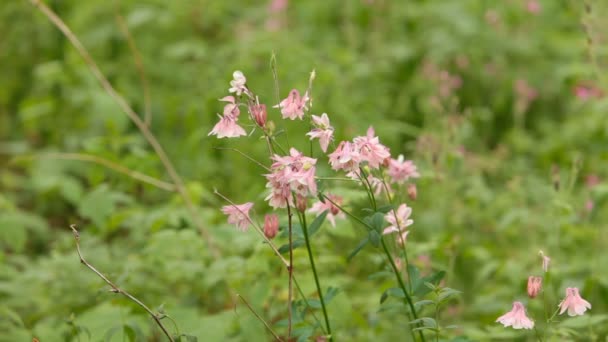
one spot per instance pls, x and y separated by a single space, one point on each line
232 108
227 128
323 131
290 173
238 214
237 85
371 150
516 318
293 106
401 170
398 221
346 157
574 303
333 211
534 286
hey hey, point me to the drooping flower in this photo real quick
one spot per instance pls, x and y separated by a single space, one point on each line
401 170
371 150
258 112
271 225
227 128
232 108
516 318
534 286
346 157
294 105
399 220
323 130
238 214
325 205
237 85
296 173
574 303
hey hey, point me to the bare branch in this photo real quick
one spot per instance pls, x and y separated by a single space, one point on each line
117 289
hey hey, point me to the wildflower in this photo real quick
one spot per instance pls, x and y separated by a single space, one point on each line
301 203
271 225
516 318
293 106
371 150
345 157
546 261
238 214
573 303
227 128
399 221
290 173
533 6
322 130
402 237
258 112
412 192
231 108
237 85
401 170
325 205
534 286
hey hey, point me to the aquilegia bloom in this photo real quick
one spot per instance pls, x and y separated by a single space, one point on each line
294 105
399 221
535 284
237 85
401 170
238 214
296 173
574 303
325 205
227 128
371 150
323 130
516 318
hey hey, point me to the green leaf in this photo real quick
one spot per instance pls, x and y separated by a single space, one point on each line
447 293
374 238
316 223
419 287
392 292
331 293
584 321
297 243
419 304
427 323
357 249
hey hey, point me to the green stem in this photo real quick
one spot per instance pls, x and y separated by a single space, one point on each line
314 272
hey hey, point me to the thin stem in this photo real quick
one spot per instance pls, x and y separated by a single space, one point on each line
290 272
244 155
295 281
259 317
109 164
128 110
316 276
115 288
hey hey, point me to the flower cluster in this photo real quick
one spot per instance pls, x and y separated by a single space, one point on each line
329 204
294 172
349 156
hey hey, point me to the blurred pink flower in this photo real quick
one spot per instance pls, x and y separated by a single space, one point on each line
412 192
371 150
278 5
534 286
516 318
237 85
402 237
398 221
296 173
533 6
323 130
238 214
271 225
592 180
325 205
227 128
401 170
293 106
574 303
585 92
346 157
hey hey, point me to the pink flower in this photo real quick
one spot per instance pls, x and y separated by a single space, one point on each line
398 221
533 6
546 261
237 85
259 114
345 157
401 170
371 150
516 318
227 128
293 106
402 238
271 225
290 173
238 214
325 205
323 131
573 302
534 286
412 192
232 108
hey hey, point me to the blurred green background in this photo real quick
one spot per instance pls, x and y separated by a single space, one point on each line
500 103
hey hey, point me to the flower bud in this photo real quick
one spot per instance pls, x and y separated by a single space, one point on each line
412 192
259 114
271 225
301 203
534 286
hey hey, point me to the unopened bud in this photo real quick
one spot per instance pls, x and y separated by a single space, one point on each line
271 225
301 203
534 286
412 191
259 114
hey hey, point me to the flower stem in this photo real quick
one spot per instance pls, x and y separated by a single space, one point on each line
314 272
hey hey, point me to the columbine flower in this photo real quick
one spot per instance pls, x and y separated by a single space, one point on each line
401 170
232 108
227 128
546 261
325 205
238 214
271 225
293 106
258 112
574 303
402 238
412 192
346 157
516 318
534 286
322 130
237 85
291 173
399 221
371 150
